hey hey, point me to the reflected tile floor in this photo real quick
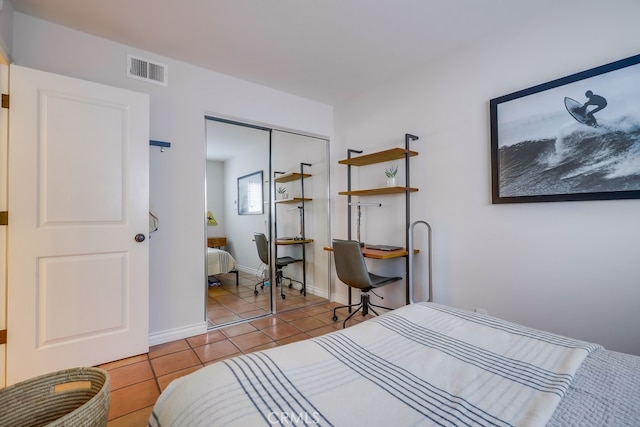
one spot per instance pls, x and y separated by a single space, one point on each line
136 382
228 302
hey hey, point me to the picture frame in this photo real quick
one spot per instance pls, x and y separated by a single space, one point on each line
250 194
573 138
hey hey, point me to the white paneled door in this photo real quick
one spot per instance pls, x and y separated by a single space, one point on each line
78 197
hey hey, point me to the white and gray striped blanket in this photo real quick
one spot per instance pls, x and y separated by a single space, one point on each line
219 262
423 364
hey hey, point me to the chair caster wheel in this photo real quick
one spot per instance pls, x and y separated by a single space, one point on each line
255 292
283 296
335 318
290 286
301 291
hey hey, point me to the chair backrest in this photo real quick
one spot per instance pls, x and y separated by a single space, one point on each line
262 244
350 266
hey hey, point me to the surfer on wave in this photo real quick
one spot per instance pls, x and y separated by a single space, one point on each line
596 100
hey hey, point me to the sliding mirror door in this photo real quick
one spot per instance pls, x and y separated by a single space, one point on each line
237 206
301 218
246 165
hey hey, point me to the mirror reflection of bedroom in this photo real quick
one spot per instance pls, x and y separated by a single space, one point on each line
273 183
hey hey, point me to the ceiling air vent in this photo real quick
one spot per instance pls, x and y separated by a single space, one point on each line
143 69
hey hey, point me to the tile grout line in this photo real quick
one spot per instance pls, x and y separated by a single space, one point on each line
153 371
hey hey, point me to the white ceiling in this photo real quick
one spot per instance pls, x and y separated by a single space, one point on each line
325 50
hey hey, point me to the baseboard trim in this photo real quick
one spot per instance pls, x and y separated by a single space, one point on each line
247 270
311 289
341 299
322 293
177 333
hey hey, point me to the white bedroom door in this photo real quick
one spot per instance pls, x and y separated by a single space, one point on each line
78 197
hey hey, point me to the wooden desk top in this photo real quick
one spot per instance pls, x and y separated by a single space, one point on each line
293 241
378 254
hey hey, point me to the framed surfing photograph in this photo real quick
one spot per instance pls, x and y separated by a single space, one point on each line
574 138
250 198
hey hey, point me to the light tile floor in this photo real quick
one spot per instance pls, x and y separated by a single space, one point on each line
136 382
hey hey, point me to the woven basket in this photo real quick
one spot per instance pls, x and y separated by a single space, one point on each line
73 397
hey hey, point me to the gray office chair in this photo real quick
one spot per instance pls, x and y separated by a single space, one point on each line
262 244
352 271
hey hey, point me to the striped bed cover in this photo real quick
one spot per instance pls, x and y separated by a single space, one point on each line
219 262
423 364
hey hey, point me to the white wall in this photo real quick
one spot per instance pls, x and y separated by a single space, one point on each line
567 267
6 29
215 198
177 175
241 228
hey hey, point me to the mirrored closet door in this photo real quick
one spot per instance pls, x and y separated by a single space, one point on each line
246 166
301 218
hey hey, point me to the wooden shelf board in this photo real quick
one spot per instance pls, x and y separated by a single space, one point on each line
292 176
378 157
293 200
378 191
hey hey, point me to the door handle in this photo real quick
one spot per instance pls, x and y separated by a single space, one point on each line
139 238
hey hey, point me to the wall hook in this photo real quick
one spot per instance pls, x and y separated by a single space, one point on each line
160 144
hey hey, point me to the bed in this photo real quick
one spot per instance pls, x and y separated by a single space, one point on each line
220 262
423 364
